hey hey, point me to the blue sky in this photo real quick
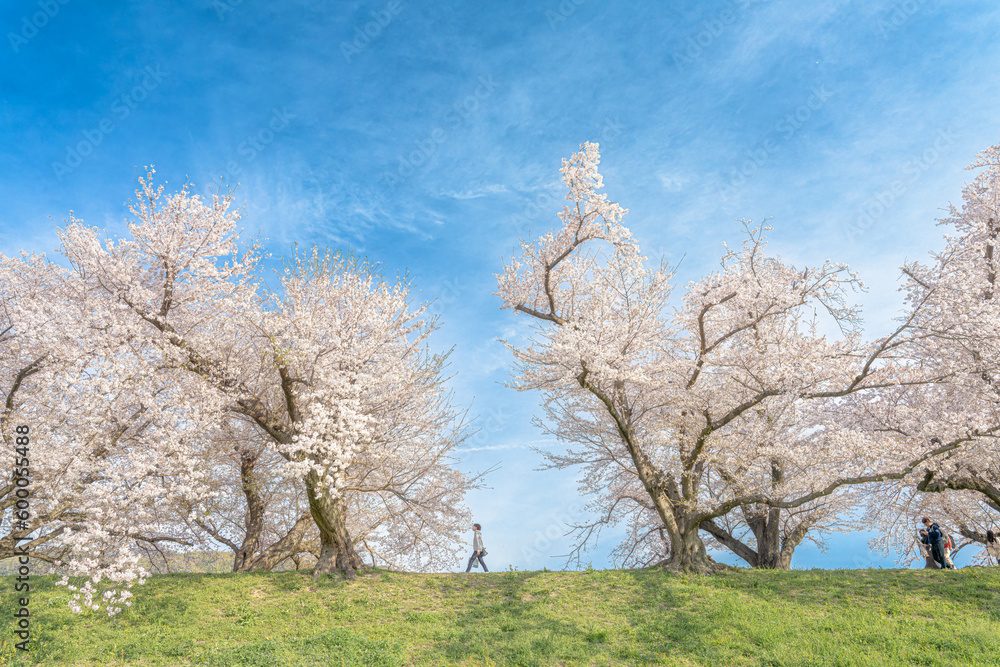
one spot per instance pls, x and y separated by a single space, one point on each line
429 137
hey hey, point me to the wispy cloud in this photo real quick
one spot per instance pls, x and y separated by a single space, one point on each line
475 193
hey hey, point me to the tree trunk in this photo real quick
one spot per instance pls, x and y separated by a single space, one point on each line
688 554
794 539
772 556
730 542
687 550
766 527
255 511
330 514
778 550
289 546
774 552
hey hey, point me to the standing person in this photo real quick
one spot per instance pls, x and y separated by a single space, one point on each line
925 550
992 546
477 548
935 539
949 545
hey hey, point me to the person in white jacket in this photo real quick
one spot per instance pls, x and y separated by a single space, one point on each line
477 548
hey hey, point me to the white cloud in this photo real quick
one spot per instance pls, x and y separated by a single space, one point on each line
476 192
673 182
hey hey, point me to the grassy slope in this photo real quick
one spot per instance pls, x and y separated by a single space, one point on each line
852 617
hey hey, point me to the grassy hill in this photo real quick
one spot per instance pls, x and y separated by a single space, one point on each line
840 617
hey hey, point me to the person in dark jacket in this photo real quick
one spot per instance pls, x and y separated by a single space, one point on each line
992 546
477 548
935 538
925 550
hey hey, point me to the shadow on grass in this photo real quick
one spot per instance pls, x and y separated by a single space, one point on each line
849 616
292 581
501 625
970 589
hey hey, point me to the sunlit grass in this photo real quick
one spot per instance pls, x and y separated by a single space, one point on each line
842 617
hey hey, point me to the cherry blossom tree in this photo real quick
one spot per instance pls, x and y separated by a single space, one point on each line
261 514
959 325
332 366
963 328
766 536
895 510
107 436
251 509
661 402
24 362
763 536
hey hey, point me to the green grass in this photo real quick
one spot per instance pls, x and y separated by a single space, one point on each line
840 617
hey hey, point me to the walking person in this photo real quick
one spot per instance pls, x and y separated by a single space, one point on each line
477 548
936 540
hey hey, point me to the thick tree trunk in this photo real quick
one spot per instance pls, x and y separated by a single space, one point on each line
766 539
766 527
687 550
769 554
774 551
330 514
784 560
688 554
255 511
